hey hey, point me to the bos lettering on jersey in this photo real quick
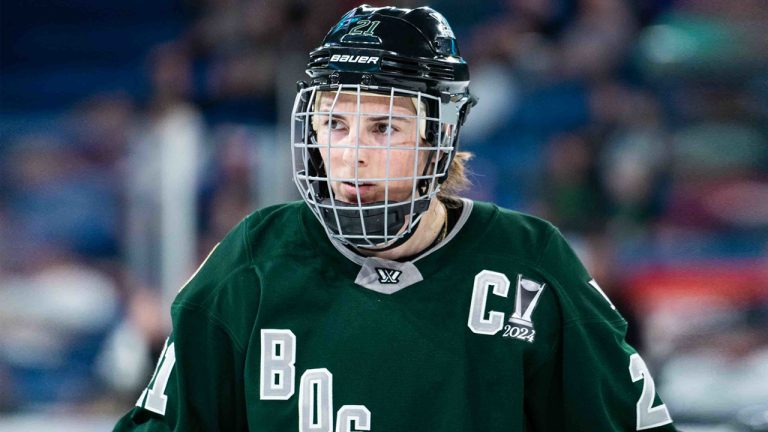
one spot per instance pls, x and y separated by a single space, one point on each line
278 354
344 58
519 324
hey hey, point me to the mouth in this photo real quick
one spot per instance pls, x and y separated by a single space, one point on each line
349 191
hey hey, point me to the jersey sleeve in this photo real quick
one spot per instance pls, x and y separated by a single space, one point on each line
592 379
197 383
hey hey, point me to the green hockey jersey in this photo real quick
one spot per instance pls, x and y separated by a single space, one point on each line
498 328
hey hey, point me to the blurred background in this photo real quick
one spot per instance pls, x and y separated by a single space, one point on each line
135 134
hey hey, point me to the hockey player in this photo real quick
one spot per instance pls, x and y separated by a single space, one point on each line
383 301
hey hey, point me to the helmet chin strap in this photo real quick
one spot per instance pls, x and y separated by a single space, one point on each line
350 215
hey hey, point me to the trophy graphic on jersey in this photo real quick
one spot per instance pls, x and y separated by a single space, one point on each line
528 293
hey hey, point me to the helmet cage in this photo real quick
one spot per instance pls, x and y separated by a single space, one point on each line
383 224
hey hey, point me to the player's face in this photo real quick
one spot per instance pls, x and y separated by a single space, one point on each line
358 146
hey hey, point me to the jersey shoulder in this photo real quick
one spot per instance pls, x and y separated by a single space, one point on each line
258 234
226 287
230 265
537 248
276 229
225 260
514 234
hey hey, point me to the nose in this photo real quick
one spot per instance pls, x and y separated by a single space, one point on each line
355 150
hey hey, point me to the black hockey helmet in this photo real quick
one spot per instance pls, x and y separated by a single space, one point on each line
405 48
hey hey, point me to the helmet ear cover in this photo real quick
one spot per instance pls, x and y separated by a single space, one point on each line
445 161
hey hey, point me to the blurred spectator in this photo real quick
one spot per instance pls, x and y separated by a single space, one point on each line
572 195
58 196
229 193
163 170
53 316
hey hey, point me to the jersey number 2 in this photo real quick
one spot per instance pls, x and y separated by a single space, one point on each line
648 416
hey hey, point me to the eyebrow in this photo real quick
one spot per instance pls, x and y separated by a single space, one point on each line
370 118
386 117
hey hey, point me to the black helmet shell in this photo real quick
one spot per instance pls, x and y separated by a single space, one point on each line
389 46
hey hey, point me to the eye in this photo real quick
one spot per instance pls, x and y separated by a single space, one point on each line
384 128
333 124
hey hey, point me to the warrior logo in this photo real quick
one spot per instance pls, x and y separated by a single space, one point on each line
387 276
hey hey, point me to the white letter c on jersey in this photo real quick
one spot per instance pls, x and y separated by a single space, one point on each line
483 281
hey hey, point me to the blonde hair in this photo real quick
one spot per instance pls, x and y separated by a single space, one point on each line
457 180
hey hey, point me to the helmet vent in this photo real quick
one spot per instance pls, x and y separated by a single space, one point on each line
319 59
401 66
439 71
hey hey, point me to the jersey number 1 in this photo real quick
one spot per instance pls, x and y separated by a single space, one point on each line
156 400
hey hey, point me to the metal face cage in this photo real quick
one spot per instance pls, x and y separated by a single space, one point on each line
408 157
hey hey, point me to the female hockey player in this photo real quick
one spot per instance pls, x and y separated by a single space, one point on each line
383 301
